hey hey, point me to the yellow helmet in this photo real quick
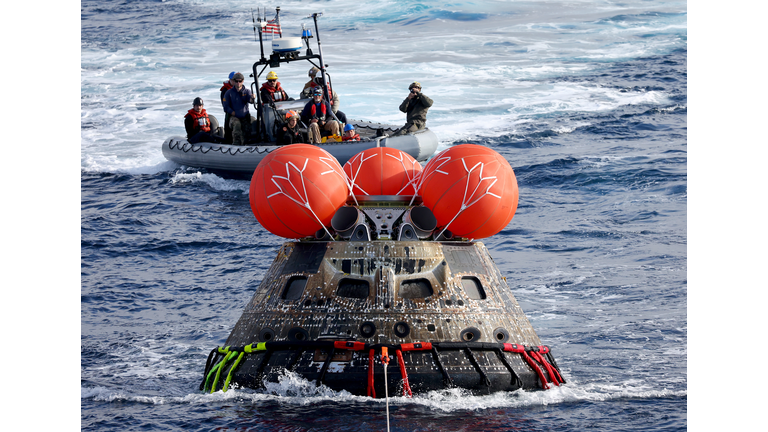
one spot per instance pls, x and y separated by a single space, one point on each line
271 75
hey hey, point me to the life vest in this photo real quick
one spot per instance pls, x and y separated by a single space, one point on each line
226 86
313 111
201 121
276 93
355 137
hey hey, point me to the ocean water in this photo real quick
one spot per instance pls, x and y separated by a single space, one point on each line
588 102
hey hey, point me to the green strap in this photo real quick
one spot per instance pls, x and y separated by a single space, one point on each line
232 369
219 369
229 355
210 374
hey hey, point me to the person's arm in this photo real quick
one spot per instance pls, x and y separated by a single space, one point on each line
189 126
426 101
227 103
404 105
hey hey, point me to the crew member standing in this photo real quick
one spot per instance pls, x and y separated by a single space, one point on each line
236 102
224 88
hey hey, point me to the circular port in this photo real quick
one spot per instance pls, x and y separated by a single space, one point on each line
470 334
367 329
266 334
500 335
402 329
298 334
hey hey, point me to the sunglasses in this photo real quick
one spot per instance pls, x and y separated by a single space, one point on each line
238 80
272 80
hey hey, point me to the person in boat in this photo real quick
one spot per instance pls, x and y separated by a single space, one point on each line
350 134
291 133
306 92
415 106
198 125
228 84
318 82
272 91
235 103
317 114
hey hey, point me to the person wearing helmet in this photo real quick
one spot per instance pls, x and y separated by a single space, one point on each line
350 134
307 90
290 133
272 91
318 115
235 103
415 106
198 124
228 84
317 81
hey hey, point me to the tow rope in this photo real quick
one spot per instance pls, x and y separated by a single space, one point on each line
385 362
222 362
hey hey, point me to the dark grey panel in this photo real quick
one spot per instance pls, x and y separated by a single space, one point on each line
306 257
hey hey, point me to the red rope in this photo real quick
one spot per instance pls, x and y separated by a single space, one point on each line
371 390
520 349
538 357
544 350
404 374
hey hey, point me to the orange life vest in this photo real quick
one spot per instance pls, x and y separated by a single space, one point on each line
201 121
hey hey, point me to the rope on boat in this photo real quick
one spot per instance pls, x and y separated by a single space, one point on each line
186 147
538 358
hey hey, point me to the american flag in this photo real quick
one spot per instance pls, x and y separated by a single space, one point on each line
273 27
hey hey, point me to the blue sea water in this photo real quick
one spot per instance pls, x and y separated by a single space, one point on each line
588 102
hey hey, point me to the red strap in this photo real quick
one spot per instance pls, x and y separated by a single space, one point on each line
536 353
537 356
349 345
371 390
406 386
417 346
515 348
536 369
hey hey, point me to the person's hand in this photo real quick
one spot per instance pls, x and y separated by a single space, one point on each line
314 120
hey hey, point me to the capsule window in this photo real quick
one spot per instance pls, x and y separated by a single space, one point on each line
294 288
415 289
473 288
353 288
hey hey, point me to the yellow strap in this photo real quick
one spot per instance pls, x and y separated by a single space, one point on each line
221 366
232 369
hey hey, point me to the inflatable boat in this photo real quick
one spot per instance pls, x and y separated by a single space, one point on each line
270 116
244 159
384 269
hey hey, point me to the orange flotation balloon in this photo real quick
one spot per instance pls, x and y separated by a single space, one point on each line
296 189
382 171
471 189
